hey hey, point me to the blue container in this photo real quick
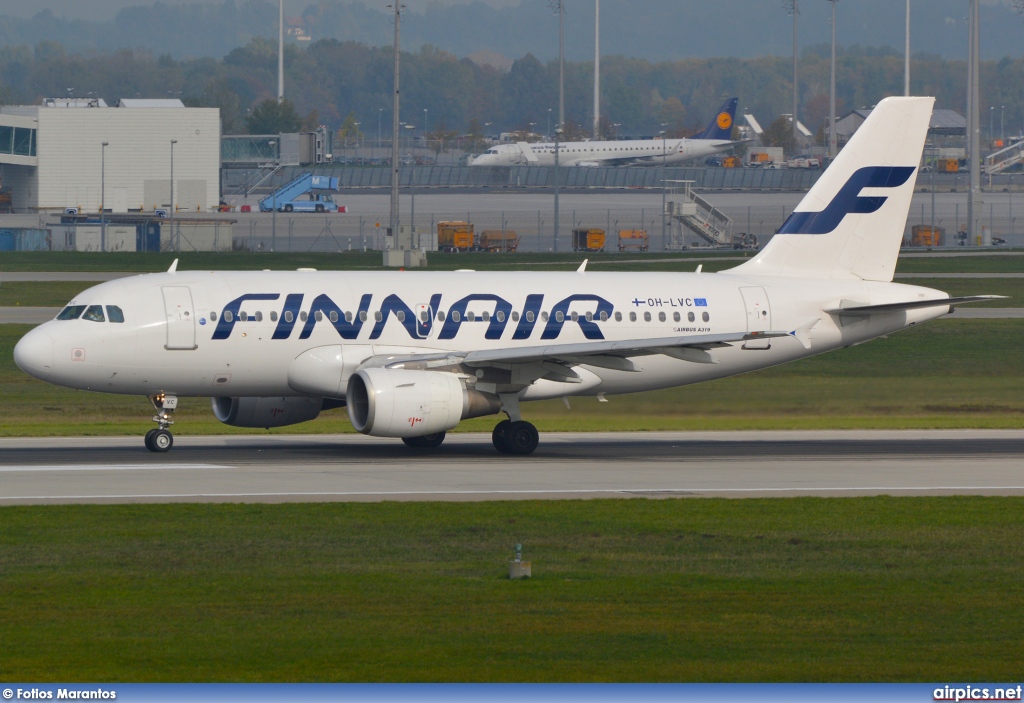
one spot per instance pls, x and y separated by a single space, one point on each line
7 239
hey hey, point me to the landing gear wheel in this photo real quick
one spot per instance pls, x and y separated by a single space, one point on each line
160 441
427 441
521 438
499 434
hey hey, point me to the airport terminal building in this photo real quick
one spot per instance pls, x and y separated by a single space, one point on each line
52 155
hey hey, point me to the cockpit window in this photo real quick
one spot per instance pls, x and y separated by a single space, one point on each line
114 314
71 312
94 314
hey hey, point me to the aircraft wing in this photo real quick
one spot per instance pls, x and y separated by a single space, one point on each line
602 353
865 310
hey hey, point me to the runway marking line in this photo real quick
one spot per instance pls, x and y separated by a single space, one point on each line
27 468
551 491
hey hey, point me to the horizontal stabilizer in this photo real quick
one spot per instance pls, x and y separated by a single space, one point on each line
912 305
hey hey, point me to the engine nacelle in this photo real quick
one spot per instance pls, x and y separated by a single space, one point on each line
412 403
266 412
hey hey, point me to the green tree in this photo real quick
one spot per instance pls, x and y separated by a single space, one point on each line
672 114
349 134
272 117
780 133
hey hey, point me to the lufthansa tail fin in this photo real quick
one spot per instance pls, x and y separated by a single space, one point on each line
721 126
851 223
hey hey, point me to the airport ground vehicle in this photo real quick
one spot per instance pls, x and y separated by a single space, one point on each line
304 193
588 239
634 239
455 236
496 240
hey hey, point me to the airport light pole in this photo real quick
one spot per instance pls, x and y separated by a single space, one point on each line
991 116
380 114
397 7
177 243
558 136
792 7
664 155
103 195
832 142
548 134
273 206
906 55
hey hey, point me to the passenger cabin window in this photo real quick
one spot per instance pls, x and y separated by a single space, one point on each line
618 316
259 316
288 316
319 316
690 317
228 316
675 317
440 315
334 315
273 315
398 314
705 317
362 316
94 313
213 316
114 314
632 317
303 316
647 317
348 317
529 315
71 312
243 316
661 317
377 316
515 316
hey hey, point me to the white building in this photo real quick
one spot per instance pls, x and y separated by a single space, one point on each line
52 155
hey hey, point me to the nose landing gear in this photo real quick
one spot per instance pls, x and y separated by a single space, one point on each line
161 439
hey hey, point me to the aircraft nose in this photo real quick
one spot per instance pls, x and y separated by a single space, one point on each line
34 353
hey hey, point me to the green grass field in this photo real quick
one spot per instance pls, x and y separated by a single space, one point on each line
949 373
866 589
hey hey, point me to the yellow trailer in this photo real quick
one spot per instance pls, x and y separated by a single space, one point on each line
588 239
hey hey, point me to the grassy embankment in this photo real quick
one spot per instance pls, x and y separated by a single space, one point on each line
949 373
866 589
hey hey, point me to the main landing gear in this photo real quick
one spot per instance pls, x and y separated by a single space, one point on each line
519 437
514 435
161 439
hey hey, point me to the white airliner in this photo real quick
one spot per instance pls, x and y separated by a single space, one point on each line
715 139
413 353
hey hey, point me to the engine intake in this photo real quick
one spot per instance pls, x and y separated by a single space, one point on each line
411 403
266 412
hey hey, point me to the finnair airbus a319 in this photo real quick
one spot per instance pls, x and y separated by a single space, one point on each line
411 354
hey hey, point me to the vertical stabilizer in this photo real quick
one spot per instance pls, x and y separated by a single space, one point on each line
851 223
721 126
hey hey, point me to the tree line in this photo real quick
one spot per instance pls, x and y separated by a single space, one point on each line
330 80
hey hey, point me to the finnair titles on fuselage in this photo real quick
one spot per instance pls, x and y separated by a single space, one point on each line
411 354
716 138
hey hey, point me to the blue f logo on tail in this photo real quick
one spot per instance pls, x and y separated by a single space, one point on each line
849 200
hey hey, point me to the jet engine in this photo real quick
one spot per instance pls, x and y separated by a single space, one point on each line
412 403
266 412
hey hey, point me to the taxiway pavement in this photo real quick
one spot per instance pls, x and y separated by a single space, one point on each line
293 468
